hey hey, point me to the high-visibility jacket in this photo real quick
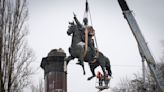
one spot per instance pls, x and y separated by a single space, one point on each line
99 75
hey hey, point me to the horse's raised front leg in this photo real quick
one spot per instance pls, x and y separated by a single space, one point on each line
67 59
83 69
81 63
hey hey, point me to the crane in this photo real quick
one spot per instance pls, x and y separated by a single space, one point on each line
142 45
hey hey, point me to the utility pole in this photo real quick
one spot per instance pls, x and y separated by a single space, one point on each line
142 45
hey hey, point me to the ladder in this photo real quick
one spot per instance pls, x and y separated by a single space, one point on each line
142 45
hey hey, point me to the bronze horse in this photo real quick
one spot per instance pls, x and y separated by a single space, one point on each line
77 51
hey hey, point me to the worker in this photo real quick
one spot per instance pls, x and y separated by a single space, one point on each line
100 77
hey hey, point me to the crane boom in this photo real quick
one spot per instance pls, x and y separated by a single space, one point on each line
142 45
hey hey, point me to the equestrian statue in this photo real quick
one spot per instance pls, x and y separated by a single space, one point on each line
82 48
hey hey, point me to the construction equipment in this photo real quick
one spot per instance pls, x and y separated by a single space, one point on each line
142 45
102 81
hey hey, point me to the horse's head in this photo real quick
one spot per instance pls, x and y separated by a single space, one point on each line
71 28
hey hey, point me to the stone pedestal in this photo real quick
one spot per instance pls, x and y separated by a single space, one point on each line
55 71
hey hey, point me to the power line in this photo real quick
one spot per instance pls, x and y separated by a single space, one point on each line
114 65
126 66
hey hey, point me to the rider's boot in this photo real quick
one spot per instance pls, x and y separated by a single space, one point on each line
94 57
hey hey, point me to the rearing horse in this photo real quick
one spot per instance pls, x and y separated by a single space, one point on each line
77 51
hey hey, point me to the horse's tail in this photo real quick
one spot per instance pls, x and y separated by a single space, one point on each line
108 66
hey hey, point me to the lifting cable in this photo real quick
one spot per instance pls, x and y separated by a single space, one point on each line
87 11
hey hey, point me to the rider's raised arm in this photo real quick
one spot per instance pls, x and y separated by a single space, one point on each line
77 21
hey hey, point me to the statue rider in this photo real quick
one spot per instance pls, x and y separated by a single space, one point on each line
91 33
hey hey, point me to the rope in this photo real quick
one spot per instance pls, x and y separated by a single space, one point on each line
87 9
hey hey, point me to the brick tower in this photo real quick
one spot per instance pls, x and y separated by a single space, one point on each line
55 71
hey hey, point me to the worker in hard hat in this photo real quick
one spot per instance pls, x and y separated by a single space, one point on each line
100 77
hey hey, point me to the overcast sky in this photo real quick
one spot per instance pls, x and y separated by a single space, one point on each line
48 23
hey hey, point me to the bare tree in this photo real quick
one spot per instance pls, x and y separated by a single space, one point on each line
15 55
162 61
39 87
162 42
137 84
123 86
